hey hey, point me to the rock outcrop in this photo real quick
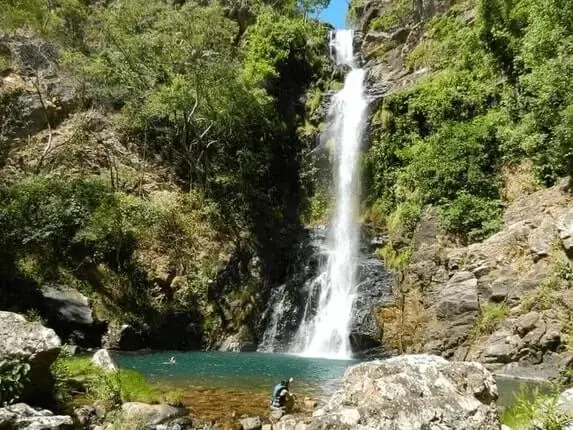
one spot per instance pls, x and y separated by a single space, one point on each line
240 341
103 359
69 314
34 78
409 392
20 416
124 337
502 301
374 290
32 343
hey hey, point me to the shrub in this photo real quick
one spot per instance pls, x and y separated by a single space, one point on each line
535 411
13 376
489 318
470 217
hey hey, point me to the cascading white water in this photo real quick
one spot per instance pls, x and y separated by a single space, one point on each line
326 333
278 309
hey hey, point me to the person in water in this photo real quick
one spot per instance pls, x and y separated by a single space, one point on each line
171 361
281 398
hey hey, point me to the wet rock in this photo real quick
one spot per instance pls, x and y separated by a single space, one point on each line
152 415
32 343
374 284
103 359
241 341
124 337
409 392
20 416
251 423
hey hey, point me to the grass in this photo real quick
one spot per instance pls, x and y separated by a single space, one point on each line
559 278
537 411
518 180
79 381
490 317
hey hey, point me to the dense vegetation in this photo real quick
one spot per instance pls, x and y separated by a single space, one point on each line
492 117
208 92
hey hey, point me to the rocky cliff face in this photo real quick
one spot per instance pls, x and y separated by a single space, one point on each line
389 31
504 301
507 299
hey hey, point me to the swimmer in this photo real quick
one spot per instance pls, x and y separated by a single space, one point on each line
171 361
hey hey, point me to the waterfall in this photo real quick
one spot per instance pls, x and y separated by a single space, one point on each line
277 309
325 332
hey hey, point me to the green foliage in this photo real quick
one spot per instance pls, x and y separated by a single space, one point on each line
108 388
13 377
319 208
491 315
42 216
499 92
275 41
396 260
477 217
34 315
399 14
17 14
536 410
113 228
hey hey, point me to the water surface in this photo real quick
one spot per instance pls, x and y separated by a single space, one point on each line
218 383
254 372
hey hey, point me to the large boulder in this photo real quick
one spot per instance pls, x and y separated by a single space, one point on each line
32 343
69 314
103 359
412 392
22 417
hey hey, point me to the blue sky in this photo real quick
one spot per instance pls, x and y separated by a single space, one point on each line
335 13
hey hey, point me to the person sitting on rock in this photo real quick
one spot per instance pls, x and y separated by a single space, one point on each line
281 398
